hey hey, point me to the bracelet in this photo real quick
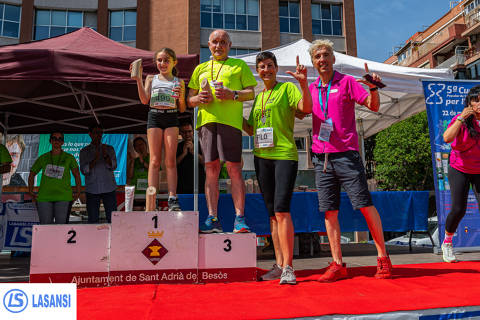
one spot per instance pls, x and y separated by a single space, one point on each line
373 89
461 119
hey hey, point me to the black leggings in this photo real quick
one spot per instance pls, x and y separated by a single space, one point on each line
276 179
459 187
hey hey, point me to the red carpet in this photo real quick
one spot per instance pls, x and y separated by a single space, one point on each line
414 287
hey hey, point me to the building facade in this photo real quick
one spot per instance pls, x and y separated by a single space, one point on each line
453 41
184 25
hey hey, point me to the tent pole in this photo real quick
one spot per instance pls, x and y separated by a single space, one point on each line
4 141
195 160
362 140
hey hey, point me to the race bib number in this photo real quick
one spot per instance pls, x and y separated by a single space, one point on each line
162 98
142 184
326 129
53 171
264 138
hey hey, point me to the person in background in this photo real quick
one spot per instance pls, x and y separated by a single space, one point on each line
463 133
137 173
5 160
98 163
55 191
185 162
271 121
218 87
165 94
335 154
16 147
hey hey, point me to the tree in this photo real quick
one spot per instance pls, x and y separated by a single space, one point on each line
403 156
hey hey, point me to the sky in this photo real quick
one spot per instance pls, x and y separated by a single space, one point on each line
384 24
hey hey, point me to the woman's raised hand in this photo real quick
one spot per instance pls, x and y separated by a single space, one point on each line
300 73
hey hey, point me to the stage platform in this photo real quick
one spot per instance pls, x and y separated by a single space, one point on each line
419 290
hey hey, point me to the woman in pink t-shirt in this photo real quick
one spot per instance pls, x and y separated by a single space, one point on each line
464 170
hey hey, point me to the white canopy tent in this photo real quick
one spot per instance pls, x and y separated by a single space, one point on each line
402 98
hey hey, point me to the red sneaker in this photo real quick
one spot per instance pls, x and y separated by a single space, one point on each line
384 268
334 272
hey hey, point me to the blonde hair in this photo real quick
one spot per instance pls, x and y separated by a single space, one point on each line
317 44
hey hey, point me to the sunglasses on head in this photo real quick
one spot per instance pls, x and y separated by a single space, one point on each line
56 138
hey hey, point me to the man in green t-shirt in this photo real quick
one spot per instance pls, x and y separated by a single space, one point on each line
5 160
218 87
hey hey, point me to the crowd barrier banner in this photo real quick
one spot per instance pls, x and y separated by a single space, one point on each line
444 100
75 142
19 219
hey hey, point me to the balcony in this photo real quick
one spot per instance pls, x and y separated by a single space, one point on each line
472 22
471 55
457 59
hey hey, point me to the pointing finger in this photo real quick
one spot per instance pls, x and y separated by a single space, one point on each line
366 68
298 60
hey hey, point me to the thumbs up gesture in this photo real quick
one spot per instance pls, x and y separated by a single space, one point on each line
300 73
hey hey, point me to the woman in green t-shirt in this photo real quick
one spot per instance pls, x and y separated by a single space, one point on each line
55 191
272 120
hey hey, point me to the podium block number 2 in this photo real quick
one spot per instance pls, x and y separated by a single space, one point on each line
72 234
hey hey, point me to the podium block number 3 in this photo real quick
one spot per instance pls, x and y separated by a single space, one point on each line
72 234
228 245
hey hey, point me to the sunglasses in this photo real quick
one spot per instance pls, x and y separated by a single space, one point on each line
57 139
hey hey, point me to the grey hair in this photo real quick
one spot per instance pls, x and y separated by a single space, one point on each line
317 44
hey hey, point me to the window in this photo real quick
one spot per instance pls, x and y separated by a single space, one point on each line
9 20
289 12
205 54
229 14
51 23
123 25
300 143
327 19
473 73
247 143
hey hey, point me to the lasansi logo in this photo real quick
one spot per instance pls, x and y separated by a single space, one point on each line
15 300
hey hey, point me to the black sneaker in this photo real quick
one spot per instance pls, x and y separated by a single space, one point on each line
173 204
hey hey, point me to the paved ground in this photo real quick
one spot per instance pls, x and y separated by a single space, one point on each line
363 254
16 269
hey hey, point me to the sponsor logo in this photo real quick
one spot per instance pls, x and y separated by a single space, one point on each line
15 300
435 90
53 301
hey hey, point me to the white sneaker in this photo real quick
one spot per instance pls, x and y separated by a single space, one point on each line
448 255
288 276
273 274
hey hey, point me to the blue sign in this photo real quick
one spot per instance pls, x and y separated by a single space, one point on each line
444 100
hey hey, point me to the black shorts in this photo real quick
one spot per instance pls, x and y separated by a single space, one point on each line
344 169
220 141
162 119
276 179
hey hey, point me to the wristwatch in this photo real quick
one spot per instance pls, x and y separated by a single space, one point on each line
461 119
235 95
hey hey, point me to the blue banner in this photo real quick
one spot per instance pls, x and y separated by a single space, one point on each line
444 100
75 142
